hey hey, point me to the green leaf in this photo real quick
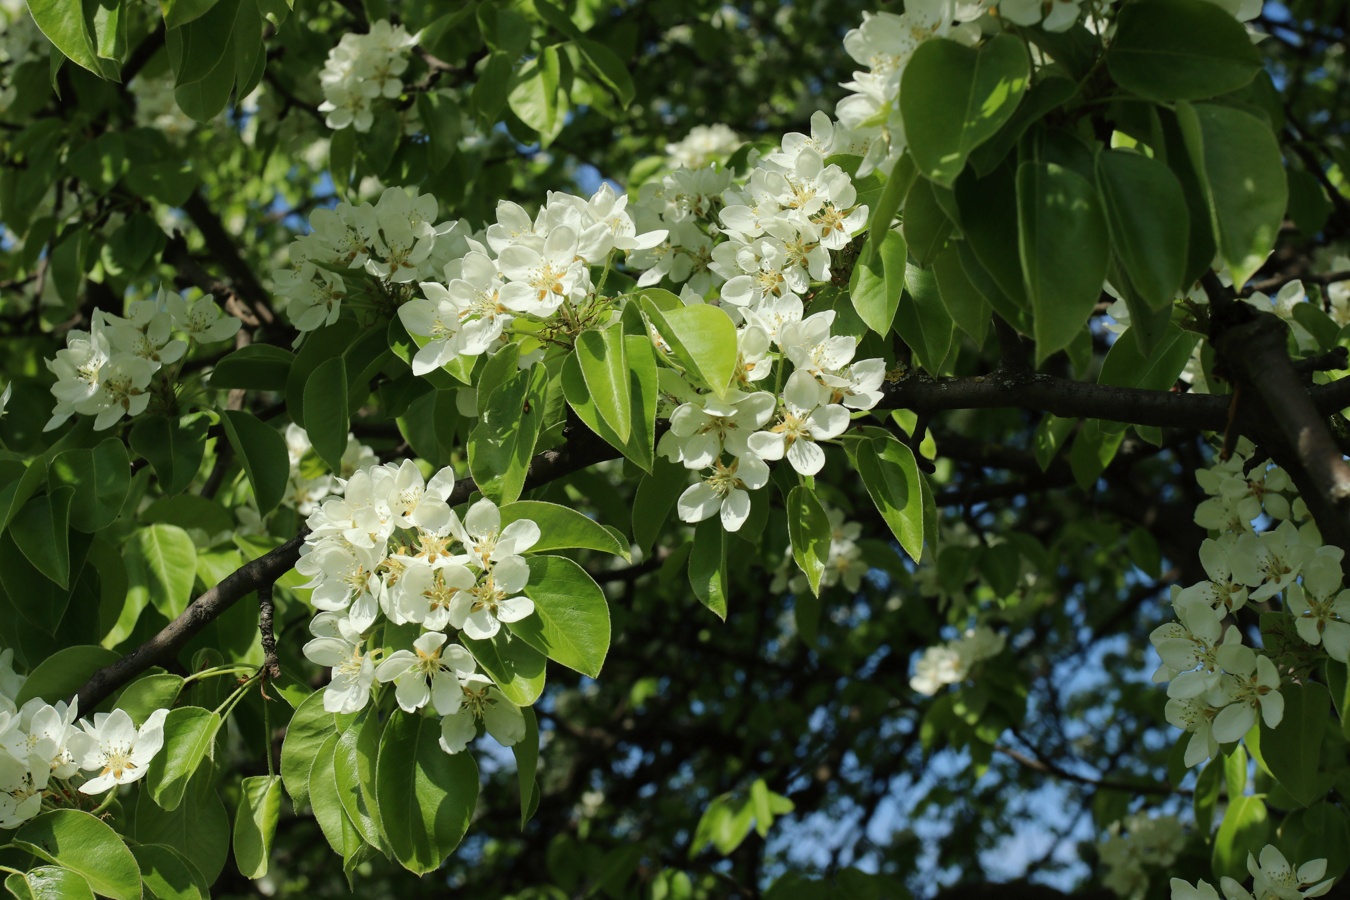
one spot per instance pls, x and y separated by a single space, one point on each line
1293 749
100 477
570 623
537 97
639 448
149 693
1180 50
198 829
655 498
333 820
189 738
257 367
173 450
1064 248
326 412
161 565
925 226
965 304
891 475
168 875
954 98
354 758
563 528
84 844
708 566
48 883
65 25
876 285
526 751
922 320
702 338
1242 176
426 795
1148 221
263 452
41 530
309 727
608 68
516 667
492 88
810 533
255 823
180 12
502 443
1244 829
604 366
62 674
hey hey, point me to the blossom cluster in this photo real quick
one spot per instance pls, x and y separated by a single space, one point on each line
703 146
952 662
1273 878
385 545
1218 686
521 266
362 70
106 372
44 745
394 241
1136 845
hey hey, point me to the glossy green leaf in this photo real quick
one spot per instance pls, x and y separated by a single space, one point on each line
965 304
1180 50
61 675
1293 749
168 875
954 98
1064 248
1244 830
1242 176
189 737
922 320
354 758
1148 221
502 443
426 795
180 12
516 667
198 829
174 451
263 452
604 366
537 96
570 623
84 844
100 478
48 883
149 693
255 823
257 367
810 533
563 528
925 226
639 448
65 25
42 532
891 475
702 339
161 563
875 287
608 68
309 727
526 751
708 566
326 412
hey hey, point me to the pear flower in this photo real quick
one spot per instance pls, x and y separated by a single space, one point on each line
202 319
480 610
701 431
483 702
1194 715
337 645
20 793
1321 609
430 671
484 538
115 748
1253 685
424 593
806 420
1222 591
724 491
1269 562
1273 877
